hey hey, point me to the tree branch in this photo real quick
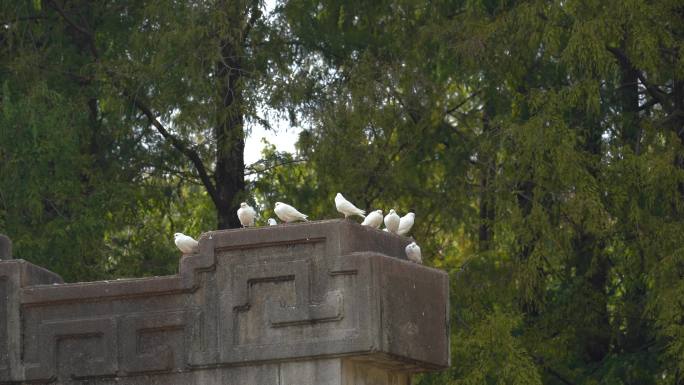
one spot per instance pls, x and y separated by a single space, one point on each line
253 170
648 104
182 147
255 14
551 371
26 18
83 31
463 102
655 92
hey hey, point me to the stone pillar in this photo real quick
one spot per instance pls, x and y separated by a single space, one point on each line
319 303
15 275
5 247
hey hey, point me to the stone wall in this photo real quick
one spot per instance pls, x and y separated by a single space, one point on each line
327 302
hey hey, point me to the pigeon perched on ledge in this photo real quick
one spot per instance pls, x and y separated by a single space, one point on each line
392 221
288 214
246 215
373 219
272 222
186 244
413 253
405 224
347 208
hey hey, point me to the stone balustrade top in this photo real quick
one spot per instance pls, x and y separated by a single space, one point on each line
257 297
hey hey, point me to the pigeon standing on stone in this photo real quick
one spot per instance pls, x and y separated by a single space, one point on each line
392 221
373 219
246 215
413 253
347 208
186 244
288 214
272 222
405 223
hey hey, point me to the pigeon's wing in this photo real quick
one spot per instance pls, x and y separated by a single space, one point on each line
252 215
347 207
194 245
245 216
392 223
405 225
373 219
187 244
293 213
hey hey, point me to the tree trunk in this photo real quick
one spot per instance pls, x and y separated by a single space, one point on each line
230 138
593 327
487 175
635 295
678 95
629 99
591 263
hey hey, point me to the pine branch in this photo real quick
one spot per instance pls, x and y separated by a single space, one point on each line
654 91
253 170
26 18
648 104
255 14
85 32
551 371
463 102
181 147
558 375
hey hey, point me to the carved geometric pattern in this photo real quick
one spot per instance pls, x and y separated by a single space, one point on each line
142 355
327 311
265 306
61 340
304 310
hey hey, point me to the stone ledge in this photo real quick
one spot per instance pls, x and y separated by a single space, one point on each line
309 291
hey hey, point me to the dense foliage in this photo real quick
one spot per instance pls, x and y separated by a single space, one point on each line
540 143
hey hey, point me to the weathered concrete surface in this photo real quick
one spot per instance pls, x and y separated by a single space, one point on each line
327 302
5 247
14 276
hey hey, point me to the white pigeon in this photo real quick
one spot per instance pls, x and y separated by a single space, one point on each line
405 223
347 208
186 244
246 215
413 253
392 221
272 222
374 219
288 214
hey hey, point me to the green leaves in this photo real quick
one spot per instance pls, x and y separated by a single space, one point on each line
539 144
561 187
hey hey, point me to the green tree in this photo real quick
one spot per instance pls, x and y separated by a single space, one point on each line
540 145
114 112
